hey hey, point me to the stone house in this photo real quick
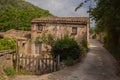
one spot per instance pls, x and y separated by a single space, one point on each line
77 27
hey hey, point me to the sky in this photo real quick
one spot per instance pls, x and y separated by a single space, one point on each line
62 8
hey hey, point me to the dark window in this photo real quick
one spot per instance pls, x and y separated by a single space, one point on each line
38 48
74 30
23 44
40 27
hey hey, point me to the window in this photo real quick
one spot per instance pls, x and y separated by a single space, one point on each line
74 30
40 27
23 44
38 48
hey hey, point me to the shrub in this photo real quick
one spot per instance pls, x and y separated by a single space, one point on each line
84 46
9 71
7 44
69 61
67 48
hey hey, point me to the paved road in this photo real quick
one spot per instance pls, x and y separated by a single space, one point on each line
98 65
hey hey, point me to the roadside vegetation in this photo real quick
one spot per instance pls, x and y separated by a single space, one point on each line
9 71
106 14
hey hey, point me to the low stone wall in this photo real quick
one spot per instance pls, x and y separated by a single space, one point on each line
6 58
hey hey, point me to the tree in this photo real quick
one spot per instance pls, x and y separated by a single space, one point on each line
17 14
106 15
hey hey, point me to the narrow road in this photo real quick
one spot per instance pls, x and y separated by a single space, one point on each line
98 65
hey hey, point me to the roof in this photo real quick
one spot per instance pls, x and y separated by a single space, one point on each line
18 34
70 20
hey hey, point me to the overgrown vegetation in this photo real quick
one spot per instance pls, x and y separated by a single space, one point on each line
7 44
2 77
9 71
106 15
67 48
84 46
46 39
17 14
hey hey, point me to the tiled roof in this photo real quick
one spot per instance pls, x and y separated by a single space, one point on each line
78 20
17 34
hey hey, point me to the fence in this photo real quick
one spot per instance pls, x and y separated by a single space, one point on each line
38 65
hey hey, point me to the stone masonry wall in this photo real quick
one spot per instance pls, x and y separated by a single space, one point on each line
58 30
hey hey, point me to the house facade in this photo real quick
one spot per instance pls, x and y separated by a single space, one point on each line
76 27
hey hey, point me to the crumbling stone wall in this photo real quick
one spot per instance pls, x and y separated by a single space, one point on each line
6 60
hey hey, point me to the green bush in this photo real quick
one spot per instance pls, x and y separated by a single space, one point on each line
9 71
67 48
7 44
69 61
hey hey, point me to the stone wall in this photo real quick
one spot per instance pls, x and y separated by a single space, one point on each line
58 31
6 60
24 47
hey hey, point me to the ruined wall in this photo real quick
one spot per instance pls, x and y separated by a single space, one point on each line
6 60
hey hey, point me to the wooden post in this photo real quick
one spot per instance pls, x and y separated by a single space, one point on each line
53 64
16 55
58 62
33 69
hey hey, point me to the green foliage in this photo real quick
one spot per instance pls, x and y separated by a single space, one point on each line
46 39
106 14
67 48
7 44
69 61
109 23
91 30
17 14
51 40
9 71
84 46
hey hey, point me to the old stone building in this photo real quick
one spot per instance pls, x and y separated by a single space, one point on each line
76 27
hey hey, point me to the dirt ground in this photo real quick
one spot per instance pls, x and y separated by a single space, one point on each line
98 65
